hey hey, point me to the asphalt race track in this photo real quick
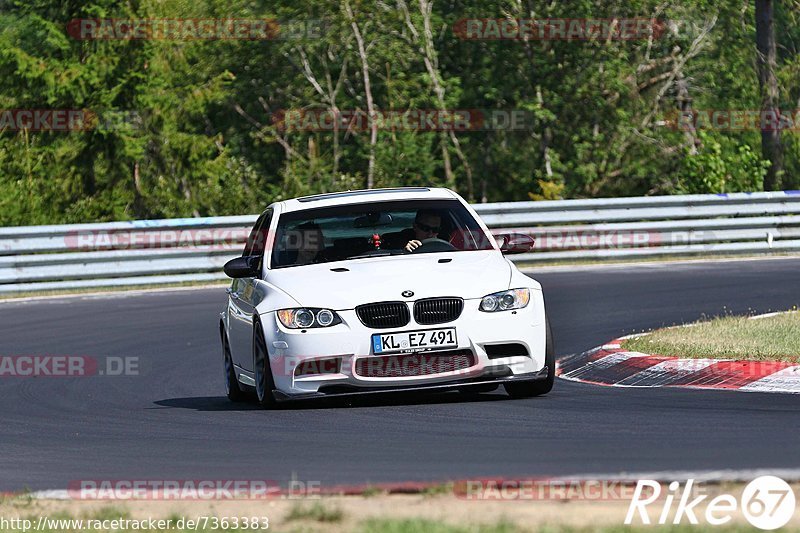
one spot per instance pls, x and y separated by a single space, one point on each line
173 422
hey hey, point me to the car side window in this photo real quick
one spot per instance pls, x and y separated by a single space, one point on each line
257 240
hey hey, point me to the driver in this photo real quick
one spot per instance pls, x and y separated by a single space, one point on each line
427 225
305 245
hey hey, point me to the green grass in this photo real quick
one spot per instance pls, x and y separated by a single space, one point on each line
371 492
773 338
332 516
21 499
438 490
317 512
420 525
416 525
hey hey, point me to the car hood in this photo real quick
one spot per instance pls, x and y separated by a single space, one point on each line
464 274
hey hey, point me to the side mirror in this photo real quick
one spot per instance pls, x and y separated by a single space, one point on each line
516 243
242 267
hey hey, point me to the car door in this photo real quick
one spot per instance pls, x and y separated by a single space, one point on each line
240 297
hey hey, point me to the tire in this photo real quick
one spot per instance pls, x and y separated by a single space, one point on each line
263 373
537 388
232 389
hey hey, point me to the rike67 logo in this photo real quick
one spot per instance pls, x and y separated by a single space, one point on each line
767 502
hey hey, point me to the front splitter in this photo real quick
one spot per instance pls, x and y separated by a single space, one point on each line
541 375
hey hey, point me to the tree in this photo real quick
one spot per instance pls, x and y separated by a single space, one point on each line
770 134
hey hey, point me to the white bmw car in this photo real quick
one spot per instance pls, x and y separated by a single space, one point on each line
383 290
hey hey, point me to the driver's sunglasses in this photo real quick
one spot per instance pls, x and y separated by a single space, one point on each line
427 228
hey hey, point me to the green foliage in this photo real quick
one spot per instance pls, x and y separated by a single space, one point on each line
718 169
190 127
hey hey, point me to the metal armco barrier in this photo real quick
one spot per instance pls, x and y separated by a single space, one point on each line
155 252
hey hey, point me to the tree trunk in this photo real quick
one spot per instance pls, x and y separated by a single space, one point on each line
771 147
373 122
430 59
685 110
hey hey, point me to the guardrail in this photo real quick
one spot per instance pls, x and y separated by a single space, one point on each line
155 252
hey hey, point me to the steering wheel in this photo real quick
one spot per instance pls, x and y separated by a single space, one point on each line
434 245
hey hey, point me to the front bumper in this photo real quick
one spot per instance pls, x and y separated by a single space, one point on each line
350 342
541 375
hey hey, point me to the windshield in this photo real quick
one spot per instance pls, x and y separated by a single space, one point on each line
376 229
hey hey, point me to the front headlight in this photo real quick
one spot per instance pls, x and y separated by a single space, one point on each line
505 301
308 317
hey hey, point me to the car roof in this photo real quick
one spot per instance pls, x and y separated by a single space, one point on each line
367 196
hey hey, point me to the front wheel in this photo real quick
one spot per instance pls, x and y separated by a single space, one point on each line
263 373
537 388
232 389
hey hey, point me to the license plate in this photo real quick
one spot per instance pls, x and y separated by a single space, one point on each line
414 341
